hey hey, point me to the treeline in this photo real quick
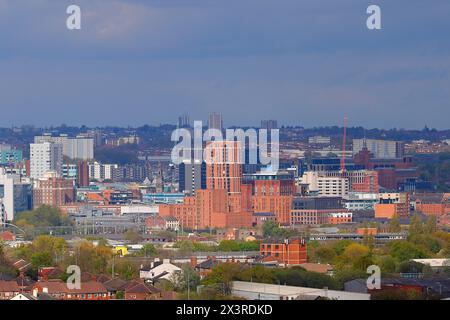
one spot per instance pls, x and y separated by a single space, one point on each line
224 245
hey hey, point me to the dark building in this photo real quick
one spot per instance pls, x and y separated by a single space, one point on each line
317 203
82 174
192 176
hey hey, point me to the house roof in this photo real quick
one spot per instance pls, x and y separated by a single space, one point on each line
9 286
317 267
207 264
436 284
143 288
102 278
55 287
40 296
115 284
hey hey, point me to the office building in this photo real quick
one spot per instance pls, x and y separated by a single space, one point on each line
44 157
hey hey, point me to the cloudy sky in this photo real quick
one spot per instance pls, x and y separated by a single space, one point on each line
301 62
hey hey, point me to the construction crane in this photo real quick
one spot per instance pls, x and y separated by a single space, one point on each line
344 141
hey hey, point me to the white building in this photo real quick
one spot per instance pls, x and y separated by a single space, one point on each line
325 186
80 147
101 172
159 270
45 156
381 149
15 195
319 140
262 291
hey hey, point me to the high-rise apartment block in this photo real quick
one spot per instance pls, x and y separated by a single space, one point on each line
381 149
80 147
192 177
224 165
102 172
44 157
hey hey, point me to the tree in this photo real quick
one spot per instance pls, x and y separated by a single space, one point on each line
354 251
404 250
257 274
186 279
387 264
132 235
223 274
229 245
147 250
415 225
431 225
394 224
5 265
44 216
325 255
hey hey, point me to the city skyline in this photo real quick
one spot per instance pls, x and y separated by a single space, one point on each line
138 62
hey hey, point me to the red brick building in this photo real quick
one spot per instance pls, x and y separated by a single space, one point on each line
53 191
289 251
58 289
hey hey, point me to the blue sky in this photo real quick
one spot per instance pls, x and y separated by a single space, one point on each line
300 62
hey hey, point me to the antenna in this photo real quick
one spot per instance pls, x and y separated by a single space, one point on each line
344 141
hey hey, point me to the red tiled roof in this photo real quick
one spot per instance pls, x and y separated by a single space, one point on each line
55 287
143 288
9 286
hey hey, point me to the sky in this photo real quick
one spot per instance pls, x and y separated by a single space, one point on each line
306 63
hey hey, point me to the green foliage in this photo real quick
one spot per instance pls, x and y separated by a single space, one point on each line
187 278
300 277
387 264
5 265
233 245
339 246
431 225
325 254
147 250
404 250
415 225
44 216
257 274
223 274
394 224
272 229
125 268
